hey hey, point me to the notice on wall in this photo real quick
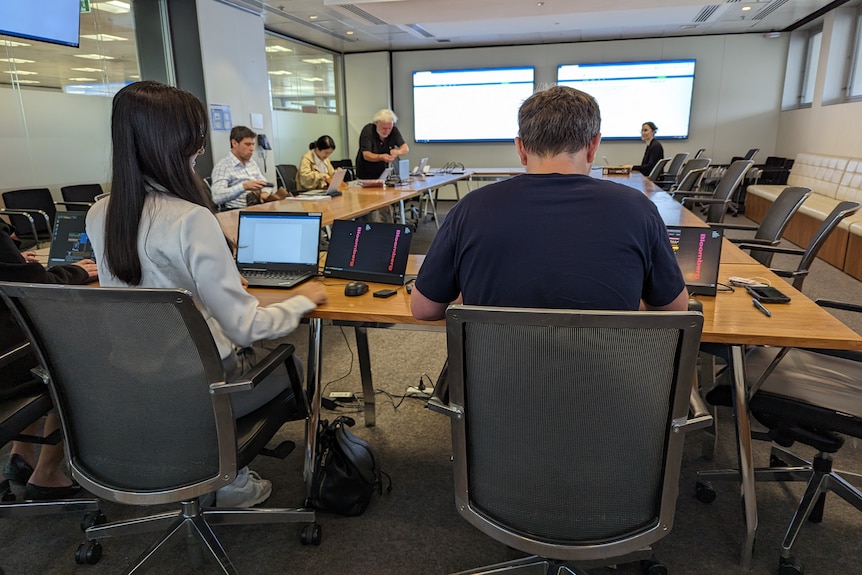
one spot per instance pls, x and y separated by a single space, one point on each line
220 117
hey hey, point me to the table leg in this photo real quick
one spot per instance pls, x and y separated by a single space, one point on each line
313 389
403 216
365 373
746 459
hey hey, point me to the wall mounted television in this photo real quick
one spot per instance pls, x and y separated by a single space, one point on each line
479 105
631 93
54 21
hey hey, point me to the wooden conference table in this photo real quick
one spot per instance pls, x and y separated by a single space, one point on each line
729 318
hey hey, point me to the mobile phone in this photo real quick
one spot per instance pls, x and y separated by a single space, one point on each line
767 294
385 293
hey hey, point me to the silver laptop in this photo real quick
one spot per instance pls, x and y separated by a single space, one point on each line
419 171
69 241
334 184
278 249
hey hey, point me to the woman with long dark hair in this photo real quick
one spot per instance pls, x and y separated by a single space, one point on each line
654 150
315 169
157 229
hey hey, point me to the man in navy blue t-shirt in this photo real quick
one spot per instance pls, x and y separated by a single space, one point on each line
554 237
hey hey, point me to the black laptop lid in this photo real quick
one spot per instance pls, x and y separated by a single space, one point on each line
69 242
698 253
375 252
278 241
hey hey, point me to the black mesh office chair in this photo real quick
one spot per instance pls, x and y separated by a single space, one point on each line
769 231
699 153
818 238
347 166
535 469
698 165
658 170
670 176
148 417
813 397
81 196
32 213
718 201
287 176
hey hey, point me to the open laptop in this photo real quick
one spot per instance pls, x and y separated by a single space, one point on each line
277 249
334 184
378 182
419 170
698 253
366 251
69 241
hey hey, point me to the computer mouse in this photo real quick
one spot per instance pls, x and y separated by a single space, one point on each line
355 288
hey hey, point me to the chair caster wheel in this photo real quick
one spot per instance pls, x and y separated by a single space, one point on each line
704 492
88 553
789 566
652 567
311 534
92 519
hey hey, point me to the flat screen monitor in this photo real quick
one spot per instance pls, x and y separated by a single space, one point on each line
469 105
366 251
631 93
55 21
698 253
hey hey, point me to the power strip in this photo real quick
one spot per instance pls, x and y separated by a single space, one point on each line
415 391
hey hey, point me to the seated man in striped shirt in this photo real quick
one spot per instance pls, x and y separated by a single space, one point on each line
237 176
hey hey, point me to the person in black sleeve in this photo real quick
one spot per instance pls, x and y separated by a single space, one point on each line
42 474
380 143
653 153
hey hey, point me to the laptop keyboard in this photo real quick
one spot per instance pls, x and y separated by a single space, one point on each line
274 274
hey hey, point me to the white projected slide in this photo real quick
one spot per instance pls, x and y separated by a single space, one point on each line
469 105
631 93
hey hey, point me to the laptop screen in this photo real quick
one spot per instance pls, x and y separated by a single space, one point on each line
368 251
69 243
280 238
698 253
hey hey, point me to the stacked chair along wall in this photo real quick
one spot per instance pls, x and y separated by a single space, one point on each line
32 213
148 419
717 202
768 232
812 397
559 484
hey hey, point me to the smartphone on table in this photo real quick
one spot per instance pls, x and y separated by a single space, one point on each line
767 294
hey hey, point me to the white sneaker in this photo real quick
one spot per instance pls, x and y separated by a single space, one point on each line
247 490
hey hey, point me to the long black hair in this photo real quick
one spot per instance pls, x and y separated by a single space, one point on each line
155 130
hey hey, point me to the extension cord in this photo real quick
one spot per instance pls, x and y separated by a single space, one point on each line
420 392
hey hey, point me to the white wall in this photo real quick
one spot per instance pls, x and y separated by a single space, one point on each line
737 93
234 63
51 139
367 79
295 130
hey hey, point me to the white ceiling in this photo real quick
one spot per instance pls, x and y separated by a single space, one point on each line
363 25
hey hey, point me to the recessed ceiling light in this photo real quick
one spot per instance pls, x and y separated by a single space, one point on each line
317 61
540 4
87 69
277 48
746 8
103 37
27 81
20 72
314 79
113 6
84 79
17 61
12 44
349 32
688 26
312 17
280 73
94 56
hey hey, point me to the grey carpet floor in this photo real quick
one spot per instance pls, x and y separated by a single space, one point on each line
416 528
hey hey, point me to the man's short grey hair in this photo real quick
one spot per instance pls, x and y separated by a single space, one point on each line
384 116
558 120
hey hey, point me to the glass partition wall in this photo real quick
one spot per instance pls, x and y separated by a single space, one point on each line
305 83
55 101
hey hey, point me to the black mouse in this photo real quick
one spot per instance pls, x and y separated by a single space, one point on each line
355 288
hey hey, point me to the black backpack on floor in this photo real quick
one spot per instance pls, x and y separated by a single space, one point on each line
346 474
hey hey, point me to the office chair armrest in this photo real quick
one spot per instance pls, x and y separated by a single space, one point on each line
258 373
82 204
789 274
16 352
696 193
767 248
839 305
752 241
29 216
735 227
702 201
698 417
